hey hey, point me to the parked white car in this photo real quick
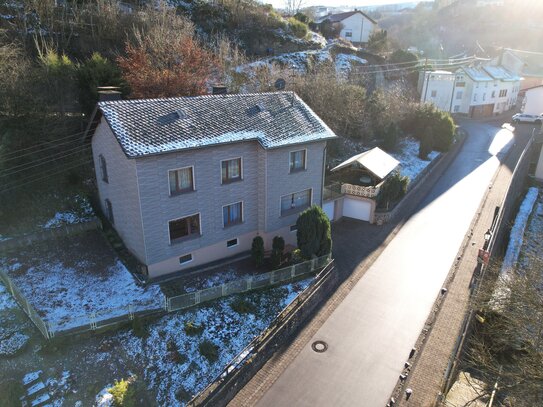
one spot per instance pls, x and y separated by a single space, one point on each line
527 118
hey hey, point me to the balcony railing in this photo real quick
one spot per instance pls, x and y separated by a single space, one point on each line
357 190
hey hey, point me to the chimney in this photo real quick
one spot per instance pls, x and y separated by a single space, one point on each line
108 93
219 89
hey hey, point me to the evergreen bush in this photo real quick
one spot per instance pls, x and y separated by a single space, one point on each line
314 233
278 247
257 250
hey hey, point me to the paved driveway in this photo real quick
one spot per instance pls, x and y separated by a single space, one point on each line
372 331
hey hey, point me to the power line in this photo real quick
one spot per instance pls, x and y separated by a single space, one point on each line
74 136
40 164
41 150
19 184
47 159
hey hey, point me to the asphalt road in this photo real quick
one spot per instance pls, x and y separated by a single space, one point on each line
371 333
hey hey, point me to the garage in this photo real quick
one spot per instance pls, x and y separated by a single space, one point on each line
357 209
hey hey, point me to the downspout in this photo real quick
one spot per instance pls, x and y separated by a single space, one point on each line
452 96
426 80
323 172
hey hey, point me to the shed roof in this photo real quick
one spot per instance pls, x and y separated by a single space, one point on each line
375 160
156 126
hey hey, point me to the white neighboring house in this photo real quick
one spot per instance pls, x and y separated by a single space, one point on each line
356 26
481 91
533 100
437 89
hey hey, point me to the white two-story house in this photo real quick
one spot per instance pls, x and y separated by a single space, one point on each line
191 180
356 26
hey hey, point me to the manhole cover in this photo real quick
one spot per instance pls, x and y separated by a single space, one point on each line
319 346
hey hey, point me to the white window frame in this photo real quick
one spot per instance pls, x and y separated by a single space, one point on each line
234 245
103 168
242 214
189 236
305 161
293 230
186 262
240 158
193 180
292 193
348 31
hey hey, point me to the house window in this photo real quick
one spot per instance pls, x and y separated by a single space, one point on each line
181 180
187 258
231 170
475 97
297 160
295 202
460 84
103 168
434 93
109 211
293 228
503 93
456 109
493 94
184 227
232 214
348 33
484 97
459 94
232 242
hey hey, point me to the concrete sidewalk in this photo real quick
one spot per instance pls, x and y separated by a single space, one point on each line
445 324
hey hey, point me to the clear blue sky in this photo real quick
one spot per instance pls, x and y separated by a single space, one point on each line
337 3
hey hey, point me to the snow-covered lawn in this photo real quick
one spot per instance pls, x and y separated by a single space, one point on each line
410 163
171 359
77 277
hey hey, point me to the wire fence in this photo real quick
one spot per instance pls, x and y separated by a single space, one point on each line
93 321
249 283
25 305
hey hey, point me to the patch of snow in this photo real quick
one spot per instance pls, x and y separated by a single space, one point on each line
6 300
13 344
40 400
82 213
31 377
67 297
4 238
35 388
517 231
410 163
104 398
344 62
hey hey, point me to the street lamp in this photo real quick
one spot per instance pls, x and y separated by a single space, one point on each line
488 235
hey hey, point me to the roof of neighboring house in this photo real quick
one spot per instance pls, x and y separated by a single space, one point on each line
375 160
477 74
500 73
336 18
533 62
156 126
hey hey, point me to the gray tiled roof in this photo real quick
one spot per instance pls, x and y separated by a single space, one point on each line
155 126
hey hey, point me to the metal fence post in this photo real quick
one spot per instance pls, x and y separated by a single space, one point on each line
92 318
249 283
130 312
292 271
197 297
223 290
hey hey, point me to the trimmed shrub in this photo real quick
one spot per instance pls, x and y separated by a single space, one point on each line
393 189
297 28
123 394
139 327
314 233
257 250
242 306
209 350
192 329
278 247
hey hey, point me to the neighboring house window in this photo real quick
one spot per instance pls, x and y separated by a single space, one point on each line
187 258
297 160
232 242
109 211
456 109
348 33
181 180
475 97
293 228
434 93
459 94
484 97
184 227
231 170
295 202
103 168
503 93
232 214
493 94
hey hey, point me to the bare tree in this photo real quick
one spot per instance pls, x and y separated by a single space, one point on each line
293 6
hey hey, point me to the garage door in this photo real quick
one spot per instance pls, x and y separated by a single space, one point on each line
353 208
